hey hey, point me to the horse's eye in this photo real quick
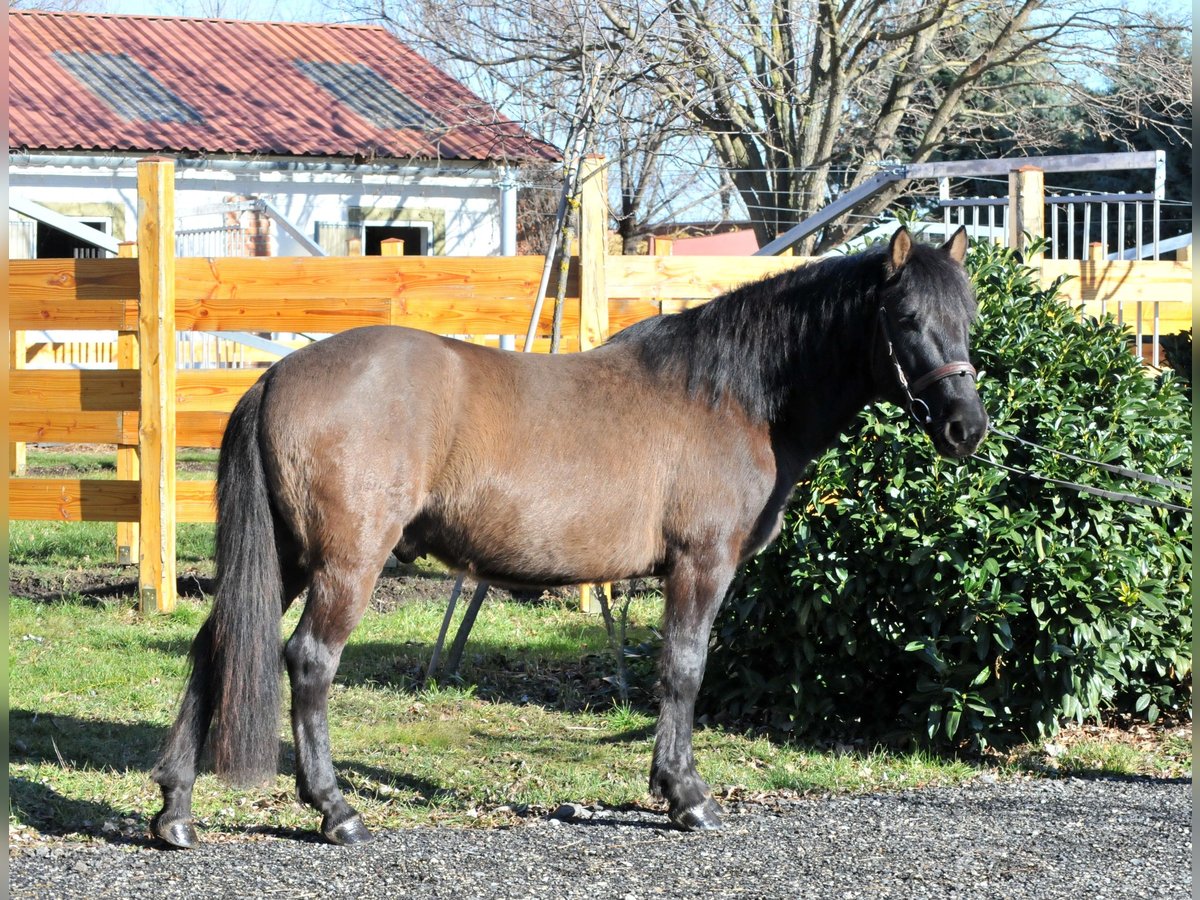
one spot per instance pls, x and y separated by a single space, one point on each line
908 323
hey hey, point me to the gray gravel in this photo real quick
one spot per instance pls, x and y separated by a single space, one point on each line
1027 838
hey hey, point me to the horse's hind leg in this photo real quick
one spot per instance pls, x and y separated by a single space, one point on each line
337 598
694 593
175 771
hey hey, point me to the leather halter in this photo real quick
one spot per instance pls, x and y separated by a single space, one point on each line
911 391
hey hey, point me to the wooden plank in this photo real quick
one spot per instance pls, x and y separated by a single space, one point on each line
156 344
623 313
129 466
212 390
16 360
593 254
688 277
1129 281
196 501
480 315
72 500
72 293
71 315
200 429
73 389
593 292
308 280
93 500
73 280
193 429
1027 206
77 427
330 315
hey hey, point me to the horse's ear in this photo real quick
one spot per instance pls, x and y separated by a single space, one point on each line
957 245
900 249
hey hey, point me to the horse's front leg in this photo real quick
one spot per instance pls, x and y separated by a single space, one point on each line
695 588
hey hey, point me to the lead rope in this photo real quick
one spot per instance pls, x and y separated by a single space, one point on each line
1122 471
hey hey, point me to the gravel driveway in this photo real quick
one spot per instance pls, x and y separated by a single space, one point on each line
1027 838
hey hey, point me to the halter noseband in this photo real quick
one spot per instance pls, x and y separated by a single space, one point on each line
929 378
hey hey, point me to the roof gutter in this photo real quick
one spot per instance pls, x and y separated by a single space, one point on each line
243 166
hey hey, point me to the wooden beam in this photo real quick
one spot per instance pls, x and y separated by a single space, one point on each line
73 427
593 290
593 253
72 500
73 279
689 277
128 462
69 390
156 343
209 390
16 360
1027 210
99 500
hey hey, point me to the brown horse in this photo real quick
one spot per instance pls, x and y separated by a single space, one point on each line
670 451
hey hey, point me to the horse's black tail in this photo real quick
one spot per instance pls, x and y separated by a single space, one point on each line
243 641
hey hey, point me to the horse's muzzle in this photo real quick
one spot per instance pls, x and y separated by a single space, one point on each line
960 433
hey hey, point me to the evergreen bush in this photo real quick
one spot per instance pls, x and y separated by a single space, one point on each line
914 597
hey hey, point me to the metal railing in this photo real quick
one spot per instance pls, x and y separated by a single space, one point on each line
222 240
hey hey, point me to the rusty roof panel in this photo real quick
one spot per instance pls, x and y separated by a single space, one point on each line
182 85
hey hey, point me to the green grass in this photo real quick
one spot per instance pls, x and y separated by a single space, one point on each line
533 722
94 687
48 545
199 463
84 545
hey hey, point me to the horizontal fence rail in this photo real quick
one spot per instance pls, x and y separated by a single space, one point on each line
477 299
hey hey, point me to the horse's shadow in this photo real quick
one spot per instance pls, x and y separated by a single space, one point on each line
67 742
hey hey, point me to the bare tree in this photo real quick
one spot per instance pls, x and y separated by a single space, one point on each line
801 100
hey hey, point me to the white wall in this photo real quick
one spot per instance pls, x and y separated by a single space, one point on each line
469 197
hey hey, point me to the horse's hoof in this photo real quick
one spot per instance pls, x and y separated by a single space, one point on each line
351 831
178 833
705 816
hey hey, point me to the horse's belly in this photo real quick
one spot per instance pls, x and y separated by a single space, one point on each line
538 541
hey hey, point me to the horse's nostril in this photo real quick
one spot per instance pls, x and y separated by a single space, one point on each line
956 431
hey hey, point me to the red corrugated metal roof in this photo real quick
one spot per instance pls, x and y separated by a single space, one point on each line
222 86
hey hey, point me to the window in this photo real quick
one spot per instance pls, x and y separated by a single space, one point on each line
55 244
414 236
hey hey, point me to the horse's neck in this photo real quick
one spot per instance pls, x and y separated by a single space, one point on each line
829 392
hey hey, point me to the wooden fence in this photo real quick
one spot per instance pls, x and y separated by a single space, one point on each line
150 409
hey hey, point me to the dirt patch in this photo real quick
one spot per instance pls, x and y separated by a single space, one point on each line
110 584
396 586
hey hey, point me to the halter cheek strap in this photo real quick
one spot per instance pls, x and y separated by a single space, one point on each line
911 391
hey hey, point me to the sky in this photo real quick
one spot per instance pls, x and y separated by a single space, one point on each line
265 10
317 11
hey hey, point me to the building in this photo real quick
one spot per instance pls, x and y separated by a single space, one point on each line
290 139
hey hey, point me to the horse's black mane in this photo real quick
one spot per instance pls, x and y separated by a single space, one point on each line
803 329
746 343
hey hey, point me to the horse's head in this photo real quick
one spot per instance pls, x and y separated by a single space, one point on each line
922 351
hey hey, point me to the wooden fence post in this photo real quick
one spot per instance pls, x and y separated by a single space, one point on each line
16 360
593 287
156 351
391 247
128 466
593 250
1026 209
